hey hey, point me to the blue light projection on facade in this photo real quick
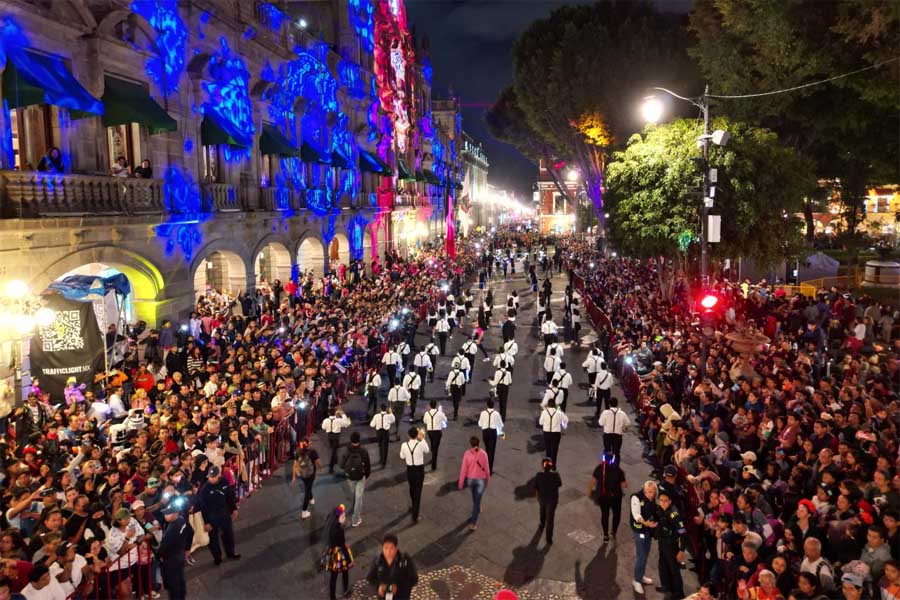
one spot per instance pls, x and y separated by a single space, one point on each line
294 172
303 77
328 224
184 206
356 232
351 78
166 65
362 18
427 70
271 16
229 96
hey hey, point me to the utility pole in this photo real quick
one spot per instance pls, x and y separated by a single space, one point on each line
707 201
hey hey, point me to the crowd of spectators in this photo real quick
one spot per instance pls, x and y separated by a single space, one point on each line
784 459
222 397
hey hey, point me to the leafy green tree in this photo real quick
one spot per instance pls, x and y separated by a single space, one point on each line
581 73
847 126
654 185
507 123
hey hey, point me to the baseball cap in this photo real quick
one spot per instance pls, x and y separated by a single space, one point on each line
214 472
670 470
137 504
853 579
153 482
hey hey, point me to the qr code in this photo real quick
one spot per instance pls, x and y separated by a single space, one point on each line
64 333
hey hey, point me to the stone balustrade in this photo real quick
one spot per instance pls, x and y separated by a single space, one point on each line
31 194
220 197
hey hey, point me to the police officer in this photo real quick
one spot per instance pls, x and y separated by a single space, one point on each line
218 506
456 387
671 533
670 485
643 517
176 541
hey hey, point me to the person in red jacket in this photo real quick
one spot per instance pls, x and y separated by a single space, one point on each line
144 379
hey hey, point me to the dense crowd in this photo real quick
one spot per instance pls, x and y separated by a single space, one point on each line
190 422
779 453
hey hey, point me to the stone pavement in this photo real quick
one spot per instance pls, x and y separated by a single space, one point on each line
280 552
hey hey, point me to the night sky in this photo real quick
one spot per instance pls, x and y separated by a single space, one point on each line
471 50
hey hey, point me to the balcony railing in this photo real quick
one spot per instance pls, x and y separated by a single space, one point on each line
30 194
220 197
278 199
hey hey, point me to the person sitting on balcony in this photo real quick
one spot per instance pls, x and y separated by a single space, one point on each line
52 162
145 171
120 169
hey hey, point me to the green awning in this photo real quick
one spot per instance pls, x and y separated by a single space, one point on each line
128 102
405 173
32 78
339 160
213 135
370 163
311 155
273 142
431 178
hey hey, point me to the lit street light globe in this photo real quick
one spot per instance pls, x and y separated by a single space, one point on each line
572 175
652 110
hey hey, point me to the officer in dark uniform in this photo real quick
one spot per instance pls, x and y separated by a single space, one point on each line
670 484
671 534
176 540
218 505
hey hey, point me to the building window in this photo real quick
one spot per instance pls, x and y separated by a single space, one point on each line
210 155
35 129
560 205
124 140
266 167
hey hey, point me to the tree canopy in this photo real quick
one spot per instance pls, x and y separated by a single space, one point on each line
655 187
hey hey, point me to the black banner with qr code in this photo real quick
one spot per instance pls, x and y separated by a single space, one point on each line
71 346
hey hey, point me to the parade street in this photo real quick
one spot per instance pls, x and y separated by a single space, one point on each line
280 552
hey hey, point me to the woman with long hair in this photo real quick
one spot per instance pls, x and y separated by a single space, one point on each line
337 557
474 473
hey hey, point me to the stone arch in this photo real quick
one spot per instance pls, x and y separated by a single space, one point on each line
146 279
272 260
229 269
339 250
107 26
311 254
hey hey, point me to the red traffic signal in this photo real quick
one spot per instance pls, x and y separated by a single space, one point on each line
709 302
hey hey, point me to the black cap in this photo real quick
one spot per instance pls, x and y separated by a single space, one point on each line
214 472
670 470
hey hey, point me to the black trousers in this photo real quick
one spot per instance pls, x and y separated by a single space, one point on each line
415 477
392 375
490 445
565 399
456 393
334 442
221 526
398 408
423 373
383 436
602 400
413 398
307 490
548 514
592 377
670 570
610 505
332 582
372 393
503 396
613 442
434 442
173 579
442 341
551 444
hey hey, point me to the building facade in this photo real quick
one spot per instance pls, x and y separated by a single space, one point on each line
279 136
556 213
474 206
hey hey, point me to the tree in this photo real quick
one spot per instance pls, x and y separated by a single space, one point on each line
654 186
507 123
579 72
847 126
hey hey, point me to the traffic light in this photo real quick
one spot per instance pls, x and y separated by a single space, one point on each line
709 302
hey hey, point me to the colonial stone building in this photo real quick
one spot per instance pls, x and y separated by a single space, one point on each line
281 136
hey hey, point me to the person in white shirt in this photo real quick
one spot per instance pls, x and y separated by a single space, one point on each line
491 423
456 387
413 453
511 347
372 386
43 586
501 382
552 421
462 363
563 380
433 351
435 423
504 357
381 423
391 361
423 366
469 350
332 425
551 364
66 556
412 382
601 387
614 422
443 330
117 406
549 330
591 364
403 350
398 397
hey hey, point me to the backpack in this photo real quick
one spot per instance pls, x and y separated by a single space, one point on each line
304 467
354 466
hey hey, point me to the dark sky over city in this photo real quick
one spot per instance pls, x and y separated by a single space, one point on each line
471 51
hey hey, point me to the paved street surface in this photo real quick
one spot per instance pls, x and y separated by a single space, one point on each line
280 552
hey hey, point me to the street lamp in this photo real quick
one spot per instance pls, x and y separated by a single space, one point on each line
572 175
652 111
